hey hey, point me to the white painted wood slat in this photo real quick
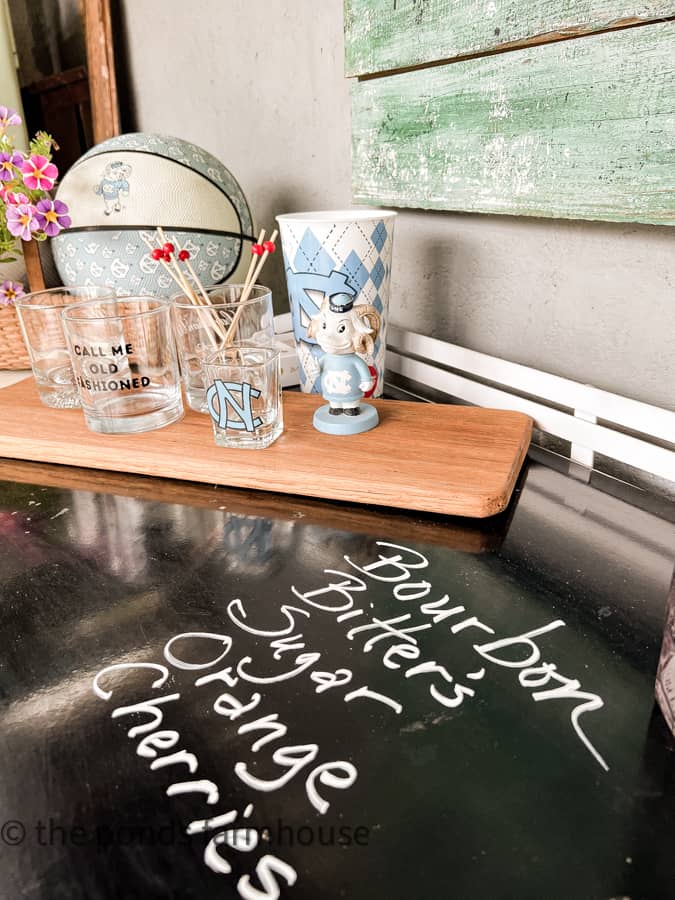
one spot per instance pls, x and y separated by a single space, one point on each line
642 417
622 447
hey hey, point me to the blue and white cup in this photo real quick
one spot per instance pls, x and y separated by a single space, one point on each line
336 252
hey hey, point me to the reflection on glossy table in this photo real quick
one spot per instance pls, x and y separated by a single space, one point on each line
494 796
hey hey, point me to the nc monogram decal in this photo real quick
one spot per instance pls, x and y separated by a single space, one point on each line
337 382
233 412
307 290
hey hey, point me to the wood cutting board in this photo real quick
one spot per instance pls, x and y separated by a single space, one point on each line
453 460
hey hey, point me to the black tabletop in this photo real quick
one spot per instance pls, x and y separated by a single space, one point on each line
209 693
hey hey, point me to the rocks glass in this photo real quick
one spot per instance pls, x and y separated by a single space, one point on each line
201 330
125 365
40 319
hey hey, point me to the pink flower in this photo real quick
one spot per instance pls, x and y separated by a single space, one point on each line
38 173
12 198
10 291
8 117
52 216
8 162
21 221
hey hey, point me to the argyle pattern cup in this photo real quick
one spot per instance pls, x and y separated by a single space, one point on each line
336 252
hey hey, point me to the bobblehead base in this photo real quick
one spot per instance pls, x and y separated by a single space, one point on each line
346 424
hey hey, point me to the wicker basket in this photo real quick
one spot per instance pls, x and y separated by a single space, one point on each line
13 353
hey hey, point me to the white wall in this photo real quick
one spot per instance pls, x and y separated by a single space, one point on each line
261 86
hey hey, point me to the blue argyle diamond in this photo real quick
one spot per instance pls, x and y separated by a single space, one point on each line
354 269
377 273
377 303
311 257
379 236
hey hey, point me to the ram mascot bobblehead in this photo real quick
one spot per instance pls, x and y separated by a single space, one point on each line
344 329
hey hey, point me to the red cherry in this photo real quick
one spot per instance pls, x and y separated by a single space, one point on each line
257 250
269 247
166 256
168 247
183 255
157 253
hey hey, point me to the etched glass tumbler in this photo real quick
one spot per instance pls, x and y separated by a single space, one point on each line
125 365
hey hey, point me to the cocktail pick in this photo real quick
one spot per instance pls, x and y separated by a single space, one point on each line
256 252
163 257
165 254
267 247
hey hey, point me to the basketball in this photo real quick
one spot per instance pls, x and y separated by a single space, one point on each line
122 189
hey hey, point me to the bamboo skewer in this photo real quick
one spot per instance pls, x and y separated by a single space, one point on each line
248 287
251 266
181 283
178 277
195 293
187 287
261 263
194 277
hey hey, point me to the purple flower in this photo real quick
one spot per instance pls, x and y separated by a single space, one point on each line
8 162
10 291
21 221
8 117
52 216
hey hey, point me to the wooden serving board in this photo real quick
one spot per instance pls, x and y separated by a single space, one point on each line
453 460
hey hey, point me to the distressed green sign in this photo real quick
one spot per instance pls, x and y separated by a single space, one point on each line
583 128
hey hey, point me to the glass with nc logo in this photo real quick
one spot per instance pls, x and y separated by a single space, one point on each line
40 319
243 396
125 365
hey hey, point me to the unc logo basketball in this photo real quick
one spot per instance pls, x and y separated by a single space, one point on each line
234 405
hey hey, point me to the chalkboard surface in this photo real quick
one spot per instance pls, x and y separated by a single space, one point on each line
197 702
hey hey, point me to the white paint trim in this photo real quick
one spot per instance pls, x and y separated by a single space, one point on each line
579 454
283 323
632 414
622 447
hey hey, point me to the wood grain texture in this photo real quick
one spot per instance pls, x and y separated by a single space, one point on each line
578 129
469 535
451 460
381 35
101 68
34 273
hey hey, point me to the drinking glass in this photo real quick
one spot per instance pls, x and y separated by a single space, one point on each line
243 396
201 330
40 319
125 366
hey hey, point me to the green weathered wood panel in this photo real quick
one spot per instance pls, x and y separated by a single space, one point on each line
582 129
381 35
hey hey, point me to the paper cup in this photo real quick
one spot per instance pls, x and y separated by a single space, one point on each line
338 251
